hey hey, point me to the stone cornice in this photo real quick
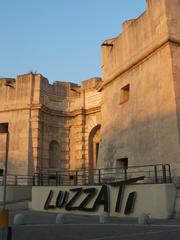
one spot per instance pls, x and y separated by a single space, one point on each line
18 107
52 111
14 109
71 113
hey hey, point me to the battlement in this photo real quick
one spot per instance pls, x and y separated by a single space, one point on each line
91 83
34 89
141 37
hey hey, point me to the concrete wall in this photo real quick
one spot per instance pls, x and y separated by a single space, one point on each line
16 193
156 200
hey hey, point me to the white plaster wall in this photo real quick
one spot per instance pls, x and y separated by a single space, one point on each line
155 199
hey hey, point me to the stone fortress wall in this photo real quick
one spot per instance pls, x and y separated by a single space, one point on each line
132 113
49 124
141 89
15 108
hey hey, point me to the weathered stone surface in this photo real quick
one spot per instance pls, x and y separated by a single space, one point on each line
134 112
39 114
145 127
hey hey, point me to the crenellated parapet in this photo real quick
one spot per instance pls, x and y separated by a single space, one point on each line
42 115
35 91
141 37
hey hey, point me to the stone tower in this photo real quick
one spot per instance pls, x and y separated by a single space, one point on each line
141 89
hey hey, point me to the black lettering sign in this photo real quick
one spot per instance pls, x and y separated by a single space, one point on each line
47 203
91 194
78 192
62 199
130 203
102 199
119 199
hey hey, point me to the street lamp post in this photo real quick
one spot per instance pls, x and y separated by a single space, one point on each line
4 213
4 129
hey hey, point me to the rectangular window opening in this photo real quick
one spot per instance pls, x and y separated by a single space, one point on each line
122 163
124 97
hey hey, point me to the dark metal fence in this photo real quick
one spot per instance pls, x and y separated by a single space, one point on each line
18 180
160 173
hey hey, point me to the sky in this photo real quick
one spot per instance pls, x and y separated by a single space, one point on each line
60 39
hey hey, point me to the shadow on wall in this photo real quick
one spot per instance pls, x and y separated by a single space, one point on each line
54 150
31 164
154 141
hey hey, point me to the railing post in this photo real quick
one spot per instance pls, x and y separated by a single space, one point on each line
155 174
15 180
125 173
169 168
59 179
76 178
34 179
99 176
164 174
48 178
56 178
39 179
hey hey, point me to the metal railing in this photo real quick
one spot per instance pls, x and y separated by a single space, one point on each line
160 173
18 180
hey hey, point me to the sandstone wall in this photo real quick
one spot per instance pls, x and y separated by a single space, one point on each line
15 101
174 33
139 38
83 122
40 113
144 128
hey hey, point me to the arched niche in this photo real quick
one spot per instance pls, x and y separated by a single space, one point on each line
93 146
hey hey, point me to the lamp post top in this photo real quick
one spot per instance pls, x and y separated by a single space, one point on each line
3 127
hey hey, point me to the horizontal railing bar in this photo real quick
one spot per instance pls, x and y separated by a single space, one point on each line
156 173
97 169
